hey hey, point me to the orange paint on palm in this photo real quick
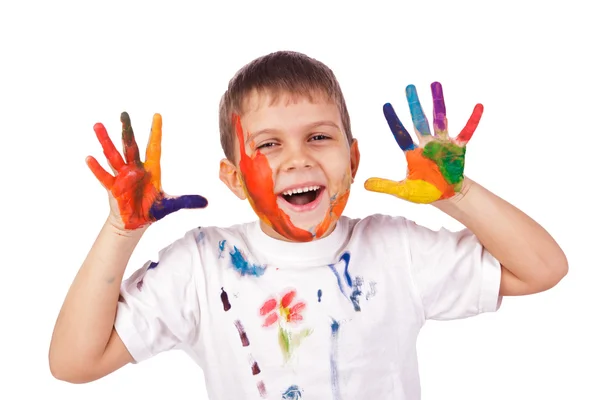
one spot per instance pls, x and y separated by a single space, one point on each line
425 169
260 189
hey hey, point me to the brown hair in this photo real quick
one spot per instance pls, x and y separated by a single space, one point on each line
279 72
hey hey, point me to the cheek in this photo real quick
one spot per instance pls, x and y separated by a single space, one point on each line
338 171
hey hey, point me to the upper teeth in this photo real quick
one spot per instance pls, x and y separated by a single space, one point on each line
300 190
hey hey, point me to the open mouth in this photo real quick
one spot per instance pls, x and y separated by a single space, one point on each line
302 197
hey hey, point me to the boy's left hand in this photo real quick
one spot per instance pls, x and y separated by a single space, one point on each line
435 167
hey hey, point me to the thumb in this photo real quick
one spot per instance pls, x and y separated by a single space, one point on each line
169 205
415 191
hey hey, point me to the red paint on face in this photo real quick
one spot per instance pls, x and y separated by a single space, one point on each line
258 181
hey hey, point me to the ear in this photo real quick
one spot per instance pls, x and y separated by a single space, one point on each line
354 158
231 176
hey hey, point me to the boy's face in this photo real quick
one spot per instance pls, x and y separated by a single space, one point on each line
294 165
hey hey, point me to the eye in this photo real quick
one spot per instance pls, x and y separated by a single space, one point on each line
319 136
266 145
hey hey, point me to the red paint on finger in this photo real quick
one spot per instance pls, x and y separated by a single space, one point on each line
465 135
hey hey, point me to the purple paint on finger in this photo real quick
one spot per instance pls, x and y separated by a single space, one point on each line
439 107
169 205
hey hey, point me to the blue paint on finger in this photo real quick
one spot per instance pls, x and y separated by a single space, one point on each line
416 111
400 133
168 205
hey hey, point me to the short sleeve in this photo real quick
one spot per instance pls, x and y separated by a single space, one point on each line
455 276
158 307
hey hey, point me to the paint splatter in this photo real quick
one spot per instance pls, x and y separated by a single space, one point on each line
153 265
289 341
282 309
261 389
136 185
225 300
350 288
255 368
435 170
243 266
242 332
286 313
292 393
260 190
372 290
335 389
356 292
319 294
222 247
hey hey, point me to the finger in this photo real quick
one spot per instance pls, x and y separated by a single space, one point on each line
400 133
415 191
467 133
153 151
168 205
440 122
130 147
416 111
110 151
106 179
381 185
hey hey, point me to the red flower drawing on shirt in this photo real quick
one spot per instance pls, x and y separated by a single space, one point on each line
282 310
285 312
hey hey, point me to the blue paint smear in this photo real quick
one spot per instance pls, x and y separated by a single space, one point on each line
200 236
319 294
221 247
353 286
292 393
335 327
346 258
153 265
356 293
243 266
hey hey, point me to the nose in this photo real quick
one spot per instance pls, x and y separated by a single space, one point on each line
297 157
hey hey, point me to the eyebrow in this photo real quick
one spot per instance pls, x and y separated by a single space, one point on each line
312 125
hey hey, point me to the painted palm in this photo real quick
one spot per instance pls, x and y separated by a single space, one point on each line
136 185
436 165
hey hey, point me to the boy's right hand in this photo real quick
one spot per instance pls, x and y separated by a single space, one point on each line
136 196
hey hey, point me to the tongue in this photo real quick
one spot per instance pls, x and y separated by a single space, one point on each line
300 199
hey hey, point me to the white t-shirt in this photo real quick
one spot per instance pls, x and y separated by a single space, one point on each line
336 318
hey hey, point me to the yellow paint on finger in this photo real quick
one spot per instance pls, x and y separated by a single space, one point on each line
153 151
415 191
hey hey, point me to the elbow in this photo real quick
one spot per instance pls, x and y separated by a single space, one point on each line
64 371
554 272
560 268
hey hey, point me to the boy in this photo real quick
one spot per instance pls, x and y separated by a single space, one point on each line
305 302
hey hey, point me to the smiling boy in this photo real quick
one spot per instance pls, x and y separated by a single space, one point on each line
305 302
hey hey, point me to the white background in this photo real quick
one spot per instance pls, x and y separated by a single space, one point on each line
533 64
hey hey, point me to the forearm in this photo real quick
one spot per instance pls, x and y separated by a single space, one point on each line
519 243
86 320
